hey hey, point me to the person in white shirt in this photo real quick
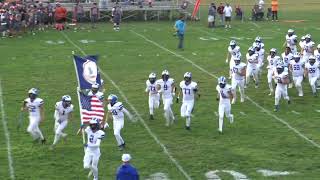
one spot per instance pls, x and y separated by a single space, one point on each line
166 87
301 43
62 114
308 48
296 68
312 71
252 67
258 42
272 61
238 78
282 80
117 110
316 53
287 56
224 97
92 147
188 89
260 51
291 40
227 15
154 96
35 107
233 51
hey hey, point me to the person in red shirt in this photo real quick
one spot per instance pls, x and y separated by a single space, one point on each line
221 14
60 16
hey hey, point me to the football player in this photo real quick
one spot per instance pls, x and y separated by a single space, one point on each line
286 58
282 79
252 67
92 147
224 97
166 88
312 70
154 96
258 41
291 40
316 53
260 51
272 58
188 89
308 48
296 68
117 110
238 77
302 42
34 105
233 51
62 114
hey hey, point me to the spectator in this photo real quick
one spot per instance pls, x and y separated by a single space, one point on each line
94 14
257 14
180 26
227 14
126 171
60 16
274 8
221 14
211 15
150 3
239 13
116 16
79 12
50 13
184 4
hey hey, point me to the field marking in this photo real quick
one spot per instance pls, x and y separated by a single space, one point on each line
212 75
268 173
7 135
158 176
255 24
295 112
317 110
242 113
165 150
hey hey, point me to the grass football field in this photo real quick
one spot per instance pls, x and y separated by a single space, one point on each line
259 139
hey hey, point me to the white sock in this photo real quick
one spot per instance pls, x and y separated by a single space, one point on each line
270 87
56 139
220 124
119 139
151 111
94 170
188 121
167 117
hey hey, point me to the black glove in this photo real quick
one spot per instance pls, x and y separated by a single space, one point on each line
217 99
177 100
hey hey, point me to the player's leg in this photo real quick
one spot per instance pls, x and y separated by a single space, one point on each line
188 114
234 89
277 96
183 109
59 132
285 95
87 160
241 89
221 115
94 166
231 64
151 103
269 77
255 74
248 74
117 126
170 110
227 110
298 84
312 82
166 107
31 127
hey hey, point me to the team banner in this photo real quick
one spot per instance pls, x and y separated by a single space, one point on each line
196 8
87 71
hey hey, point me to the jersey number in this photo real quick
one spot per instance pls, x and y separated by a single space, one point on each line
186 91
114 112
312 70
222 94
152 88
32 108
296 67
91 138
165 87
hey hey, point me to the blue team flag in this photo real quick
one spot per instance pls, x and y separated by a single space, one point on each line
87 71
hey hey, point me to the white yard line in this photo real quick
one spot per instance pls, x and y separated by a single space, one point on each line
7 135
255 24
212 75
165 150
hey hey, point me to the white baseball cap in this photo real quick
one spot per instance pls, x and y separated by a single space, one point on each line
126 157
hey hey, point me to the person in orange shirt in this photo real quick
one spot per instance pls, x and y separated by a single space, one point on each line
60 13
274 9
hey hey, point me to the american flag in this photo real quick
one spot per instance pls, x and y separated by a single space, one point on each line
91 107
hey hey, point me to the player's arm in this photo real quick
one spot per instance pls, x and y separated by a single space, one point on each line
227 58
178 96
173 89
290 67
127 113
70 116
230 94
106 117
305 72
285 80
243 71
196 92
24 107
41 107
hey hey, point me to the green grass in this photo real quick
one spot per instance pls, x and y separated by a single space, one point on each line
256 140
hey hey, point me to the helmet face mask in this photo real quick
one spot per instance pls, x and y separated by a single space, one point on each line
112 99
33 93
288 50
95 87
32 96
165 75
94 124
280 69
187 77
152 80
312 61
222 85
296 59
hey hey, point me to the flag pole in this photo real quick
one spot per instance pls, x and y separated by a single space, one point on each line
80 109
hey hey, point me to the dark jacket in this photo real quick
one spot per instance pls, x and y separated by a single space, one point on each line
127 172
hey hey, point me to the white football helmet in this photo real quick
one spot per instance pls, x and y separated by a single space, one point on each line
66 98
152 75
165 72
95 86
33 91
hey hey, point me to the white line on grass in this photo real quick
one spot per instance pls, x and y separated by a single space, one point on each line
255 24
212 75
7 135
165 150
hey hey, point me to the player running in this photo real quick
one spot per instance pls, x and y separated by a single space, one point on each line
296 68
272 60
291 40
92 147
260 51
312 70
238 78
166 87
233 51
117 110
224 97
252 67
282 80
62 114
35 107
154 96
188 89
308 48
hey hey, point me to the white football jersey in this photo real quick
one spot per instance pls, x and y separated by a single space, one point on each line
257 44
165 87
286 58
236 69
297 68
33 106
116 110
252 60
224 93
313 70
92 138
151 88
260 55
301 44
316 54
234 52
307 49
280 77
63 112
188 91
291 40
272 61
